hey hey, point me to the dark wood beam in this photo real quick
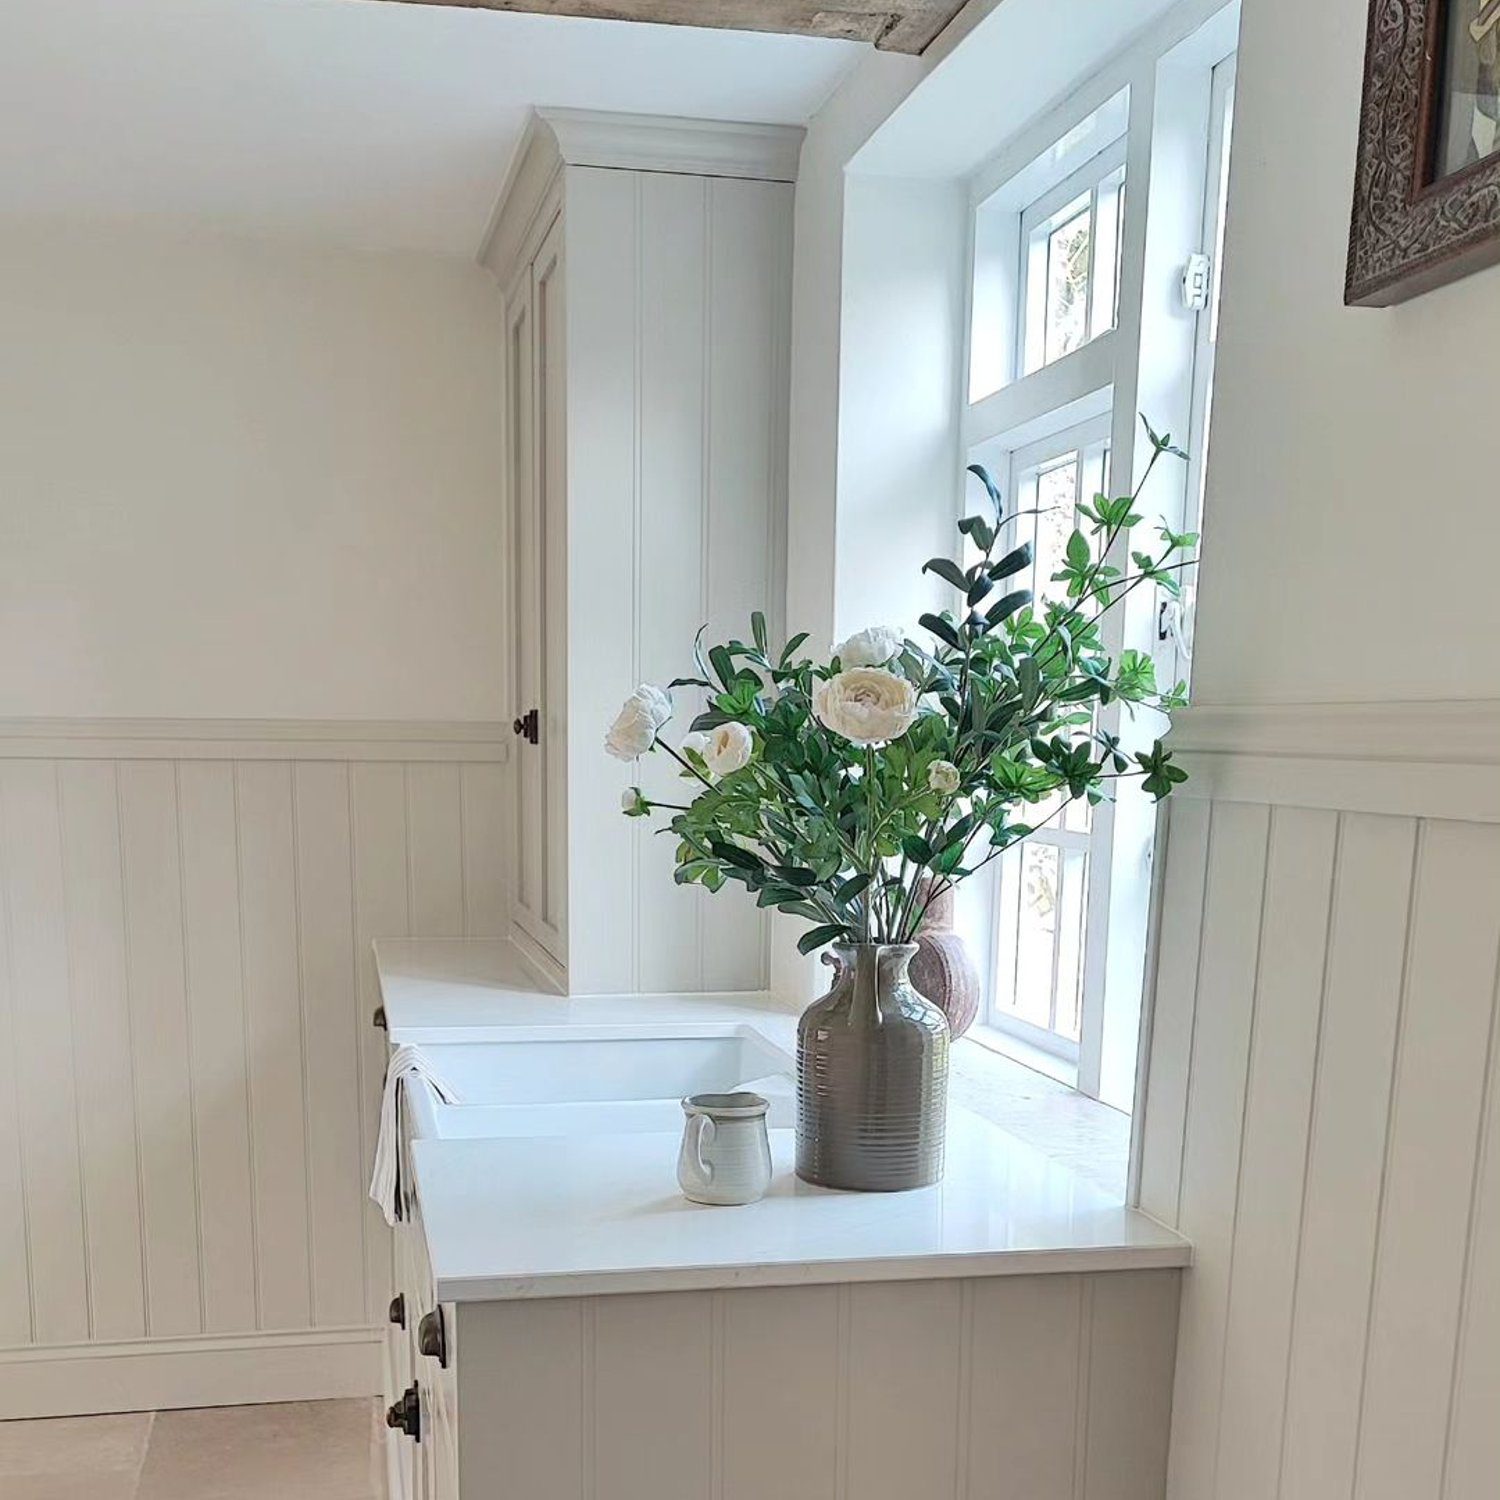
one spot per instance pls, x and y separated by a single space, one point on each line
893 25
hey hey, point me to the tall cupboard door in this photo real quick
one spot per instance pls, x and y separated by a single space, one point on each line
535 413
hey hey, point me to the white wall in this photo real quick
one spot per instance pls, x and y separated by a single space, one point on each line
238 482
1350 522
834 135
245 481
900 463
1321 1115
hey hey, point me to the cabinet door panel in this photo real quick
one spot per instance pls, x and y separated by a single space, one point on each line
534 405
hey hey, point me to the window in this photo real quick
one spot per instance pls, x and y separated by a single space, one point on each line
1069 336
1041 888
1179 613
1070 252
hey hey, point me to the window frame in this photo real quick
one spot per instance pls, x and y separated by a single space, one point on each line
1090 179
1161 87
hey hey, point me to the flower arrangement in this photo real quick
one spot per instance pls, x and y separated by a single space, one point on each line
852 794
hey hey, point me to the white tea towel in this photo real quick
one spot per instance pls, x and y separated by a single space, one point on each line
406 1062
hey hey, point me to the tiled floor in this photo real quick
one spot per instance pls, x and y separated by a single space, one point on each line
311 1450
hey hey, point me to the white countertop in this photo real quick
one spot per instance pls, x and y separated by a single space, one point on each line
567 1216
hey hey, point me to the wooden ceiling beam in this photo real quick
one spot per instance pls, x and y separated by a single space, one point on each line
892 25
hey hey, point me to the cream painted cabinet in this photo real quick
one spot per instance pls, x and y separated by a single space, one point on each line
536 466
646 266
1048 1387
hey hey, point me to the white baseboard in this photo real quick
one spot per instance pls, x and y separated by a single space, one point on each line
65 1380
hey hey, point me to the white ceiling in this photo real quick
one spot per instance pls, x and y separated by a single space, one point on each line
340 120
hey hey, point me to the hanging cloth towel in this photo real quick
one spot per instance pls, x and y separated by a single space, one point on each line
406 1062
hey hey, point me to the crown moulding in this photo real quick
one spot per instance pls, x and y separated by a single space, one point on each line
558 138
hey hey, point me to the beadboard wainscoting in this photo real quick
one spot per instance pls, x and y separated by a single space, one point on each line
189 1076
1035 1386
1321 1114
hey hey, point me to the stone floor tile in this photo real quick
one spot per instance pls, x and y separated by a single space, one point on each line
320 1449
70 1445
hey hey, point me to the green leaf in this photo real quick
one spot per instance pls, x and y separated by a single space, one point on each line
1029 679
791 646
916 848
946 569
1078 552
722 664
819 936
1162 442
732 854
991 489
709 721
979 531
1007 606
936 625
702 682
1013 562
855 886
758 630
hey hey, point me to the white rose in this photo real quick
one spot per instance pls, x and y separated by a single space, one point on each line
866 704
942 776
634 731
870 648
729 748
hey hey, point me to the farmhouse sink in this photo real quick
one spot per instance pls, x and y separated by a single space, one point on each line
594 1084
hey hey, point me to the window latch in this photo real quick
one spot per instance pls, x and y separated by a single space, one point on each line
1197 281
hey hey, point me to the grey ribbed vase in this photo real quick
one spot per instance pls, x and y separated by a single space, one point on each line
872 1077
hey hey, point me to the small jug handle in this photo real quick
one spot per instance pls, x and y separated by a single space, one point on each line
700 1132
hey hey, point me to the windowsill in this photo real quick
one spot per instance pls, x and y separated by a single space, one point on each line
1038 1059
1091 1138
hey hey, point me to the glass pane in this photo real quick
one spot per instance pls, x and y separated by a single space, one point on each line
1069 248
1036 935
1071 902
1056 500
1109 223
1078 816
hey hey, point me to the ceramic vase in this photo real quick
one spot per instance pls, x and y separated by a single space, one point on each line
872 1077
943 968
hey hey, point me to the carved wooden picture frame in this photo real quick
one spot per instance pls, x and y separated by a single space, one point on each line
1416 225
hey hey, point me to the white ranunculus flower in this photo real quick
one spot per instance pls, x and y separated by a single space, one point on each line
697 742
634 731
942 776
870 648
729 749
867 705
633 804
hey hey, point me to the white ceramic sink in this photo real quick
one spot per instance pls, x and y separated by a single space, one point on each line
593 1085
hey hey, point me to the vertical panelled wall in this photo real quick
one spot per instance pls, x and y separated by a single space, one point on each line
678 331
189 1076
1322 1116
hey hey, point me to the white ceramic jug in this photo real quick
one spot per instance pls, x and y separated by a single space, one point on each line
726 1153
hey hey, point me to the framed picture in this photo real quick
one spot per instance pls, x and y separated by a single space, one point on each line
1427 178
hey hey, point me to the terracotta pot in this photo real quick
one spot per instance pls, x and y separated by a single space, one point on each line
943 968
